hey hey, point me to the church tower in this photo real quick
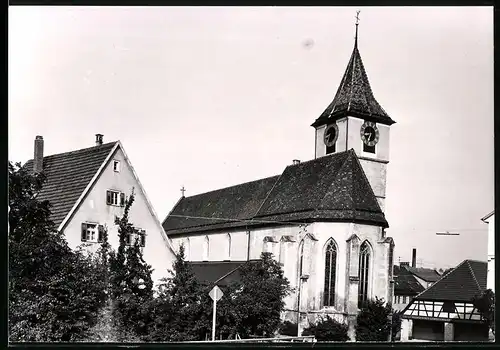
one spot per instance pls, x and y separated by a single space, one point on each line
354 119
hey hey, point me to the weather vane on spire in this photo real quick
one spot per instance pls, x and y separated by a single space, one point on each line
357 23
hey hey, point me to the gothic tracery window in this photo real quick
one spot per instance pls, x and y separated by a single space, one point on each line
330 274
364 270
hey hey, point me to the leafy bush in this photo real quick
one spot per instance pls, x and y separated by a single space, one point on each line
288 328
372 322
328 329
55 294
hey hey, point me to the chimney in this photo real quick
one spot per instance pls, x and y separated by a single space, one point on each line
414 258
98 139
296 161
38 156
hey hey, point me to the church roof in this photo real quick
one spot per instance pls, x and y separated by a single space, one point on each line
354 96
330 188
221 273
461 284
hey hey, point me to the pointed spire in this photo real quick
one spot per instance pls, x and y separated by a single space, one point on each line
357 23
354 95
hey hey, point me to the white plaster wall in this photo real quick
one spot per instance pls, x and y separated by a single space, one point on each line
288 253
94 209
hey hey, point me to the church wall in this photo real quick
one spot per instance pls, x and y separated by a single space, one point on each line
323 232
379 279
341 144
218 245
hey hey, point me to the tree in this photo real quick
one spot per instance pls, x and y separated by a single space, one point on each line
485 304
396 324
372 322
253 305
180 309
328 329
131 285
54 293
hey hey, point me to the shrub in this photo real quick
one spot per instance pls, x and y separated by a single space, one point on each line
372 322
328 329
288 328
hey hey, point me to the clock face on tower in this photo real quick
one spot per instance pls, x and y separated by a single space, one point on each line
369 133
331 134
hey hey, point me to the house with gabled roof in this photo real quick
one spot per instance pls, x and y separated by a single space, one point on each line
445 311
322 219
87 189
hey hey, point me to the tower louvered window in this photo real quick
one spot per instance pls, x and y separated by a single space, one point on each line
364 272
330 274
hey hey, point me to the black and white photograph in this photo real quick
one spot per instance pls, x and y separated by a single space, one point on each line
253 174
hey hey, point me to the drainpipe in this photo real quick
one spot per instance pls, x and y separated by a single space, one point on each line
298 306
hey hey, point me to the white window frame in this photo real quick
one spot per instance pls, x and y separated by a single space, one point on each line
92 235
116 166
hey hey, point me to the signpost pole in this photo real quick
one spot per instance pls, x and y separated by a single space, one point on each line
213 319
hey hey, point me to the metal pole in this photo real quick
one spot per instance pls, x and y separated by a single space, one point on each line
213 319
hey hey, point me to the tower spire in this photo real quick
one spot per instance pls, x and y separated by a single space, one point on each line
357 23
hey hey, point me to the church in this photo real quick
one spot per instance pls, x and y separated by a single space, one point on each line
322 219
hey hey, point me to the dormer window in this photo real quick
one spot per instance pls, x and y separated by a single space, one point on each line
116 166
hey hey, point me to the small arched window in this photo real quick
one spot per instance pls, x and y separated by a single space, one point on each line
330 274
206 248
364 273
228 237
187 248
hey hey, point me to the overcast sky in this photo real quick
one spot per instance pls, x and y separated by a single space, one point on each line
213 97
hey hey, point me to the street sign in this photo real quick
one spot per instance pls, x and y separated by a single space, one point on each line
216 293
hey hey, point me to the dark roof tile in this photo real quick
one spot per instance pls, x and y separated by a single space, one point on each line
67 175
405 283
428 275
330 188
354 96
461 284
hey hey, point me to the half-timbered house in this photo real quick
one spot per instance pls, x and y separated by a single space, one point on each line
445 310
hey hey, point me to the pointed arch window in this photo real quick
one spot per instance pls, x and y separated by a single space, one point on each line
364 272
301 258
206 248
330 274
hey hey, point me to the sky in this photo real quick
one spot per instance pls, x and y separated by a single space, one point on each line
211 97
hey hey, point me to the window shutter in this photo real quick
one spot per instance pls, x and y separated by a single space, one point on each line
108 197
84 232
122 199
100 235
143 238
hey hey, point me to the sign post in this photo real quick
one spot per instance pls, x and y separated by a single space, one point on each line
215 294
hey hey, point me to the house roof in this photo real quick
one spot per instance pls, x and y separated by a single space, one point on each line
428 275
221 273
67 176
461 284
330 188
405 283
354 96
